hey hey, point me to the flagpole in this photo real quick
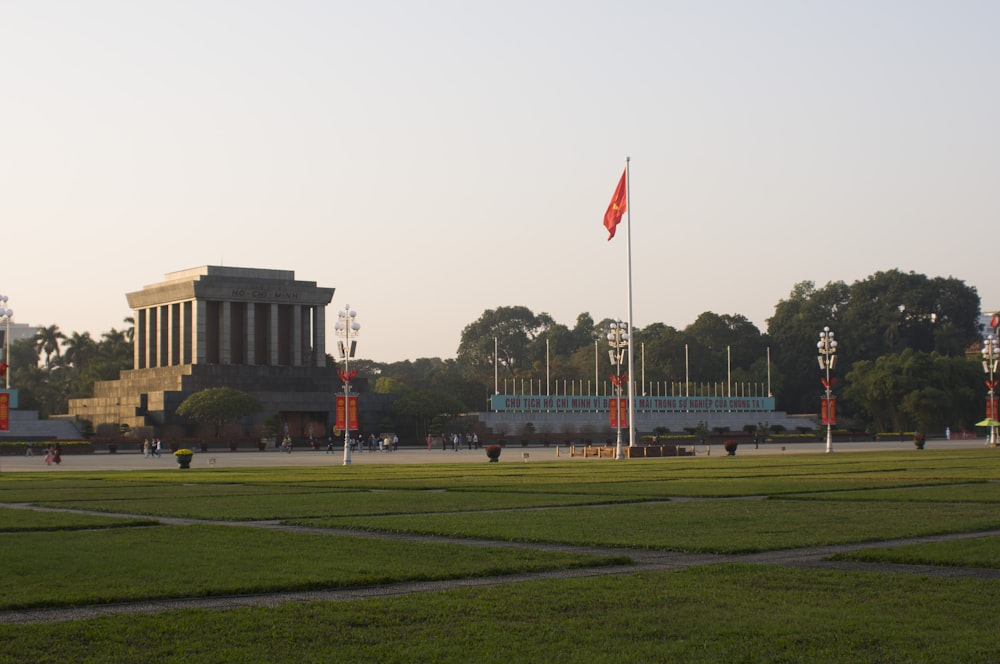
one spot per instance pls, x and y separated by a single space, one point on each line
631 331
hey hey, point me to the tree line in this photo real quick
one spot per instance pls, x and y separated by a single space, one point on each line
902 364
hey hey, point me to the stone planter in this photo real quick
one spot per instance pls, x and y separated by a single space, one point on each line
184 460
493 452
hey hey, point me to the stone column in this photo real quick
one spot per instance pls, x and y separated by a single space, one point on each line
225 330
163 340
251 334
172 334
184 342
139 339
152 335
296 336
273 341
319 336
306 335
198 332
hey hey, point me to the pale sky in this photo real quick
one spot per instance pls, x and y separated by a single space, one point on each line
431 160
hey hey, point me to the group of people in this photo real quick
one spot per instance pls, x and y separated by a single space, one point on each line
455 440
151 448
380 443
53 455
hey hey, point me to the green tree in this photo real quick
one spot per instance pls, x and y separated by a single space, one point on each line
794 329
47 340
886 313
425 405
891 311
508 333
217 406
914 390
80 349
717 342
389 385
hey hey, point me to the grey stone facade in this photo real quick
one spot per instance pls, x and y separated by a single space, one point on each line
259 331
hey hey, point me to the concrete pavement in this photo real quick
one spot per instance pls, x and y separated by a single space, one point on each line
103 461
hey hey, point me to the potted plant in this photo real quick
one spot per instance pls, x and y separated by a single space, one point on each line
493 452
730 447
919 439
204 446
184 457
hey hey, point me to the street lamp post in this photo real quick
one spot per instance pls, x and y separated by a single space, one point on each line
827 356
618 339
348 328
991 353
5 316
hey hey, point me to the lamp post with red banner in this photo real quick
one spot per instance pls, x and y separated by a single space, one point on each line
827 357
991 353
347 329
618 339
5 316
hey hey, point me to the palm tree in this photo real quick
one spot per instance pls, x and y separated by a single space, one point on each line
47 341
79 349
115 345
130 330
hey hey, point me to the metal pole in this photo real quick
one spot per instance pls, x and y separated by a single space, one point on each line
350 328
827 354
618 404
631 363
6 314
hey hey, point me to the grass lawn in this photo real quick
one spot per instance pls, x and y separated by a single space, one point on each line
103 566
727 613
713 526
711 613
978 552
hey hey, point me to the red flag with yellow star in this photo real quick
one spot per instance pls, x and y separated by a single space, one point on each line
617 207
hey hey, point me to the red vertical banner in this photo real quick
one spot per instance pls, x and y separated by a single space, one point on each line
352 412
828 410
618 410
4 411
991 408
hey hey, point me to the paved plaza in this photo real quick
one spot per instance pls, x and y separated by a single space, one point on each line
409 455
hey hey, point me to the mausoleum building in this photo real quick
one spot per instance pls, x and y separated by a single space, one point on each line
257 330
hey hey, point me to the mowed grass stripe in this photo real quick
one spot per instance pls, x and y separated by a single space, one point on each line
717 526
44 569
722 613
